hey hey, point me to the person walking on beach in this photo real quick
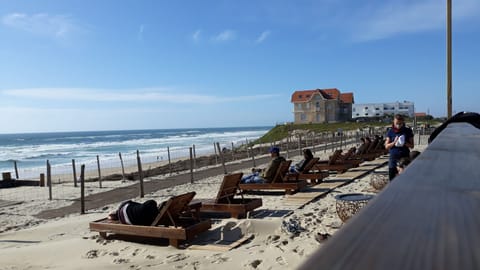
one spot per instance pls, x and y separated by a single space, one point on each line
267 174
399 141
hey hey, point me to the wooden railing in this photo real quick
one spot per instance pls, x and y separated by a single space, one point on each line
427 218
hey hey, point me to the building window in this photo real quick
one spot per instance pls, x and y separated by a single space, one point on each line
377 109
317 105
300 96
303 117
307 106
366 108
358 114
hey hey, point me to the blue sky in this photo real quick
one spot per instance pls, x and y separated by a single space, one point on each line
103 65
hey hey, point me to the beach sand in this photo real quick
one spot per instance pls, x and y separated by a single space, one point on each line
66 243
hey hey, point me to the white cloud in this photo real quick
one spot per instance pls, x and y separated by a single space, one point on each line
141 95
196 35
263 36
224 36
399 17
56 26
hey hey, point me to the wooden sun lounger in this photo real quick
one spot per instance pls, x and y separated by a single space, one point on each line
333 163
280 181
226 201
176 221
308 173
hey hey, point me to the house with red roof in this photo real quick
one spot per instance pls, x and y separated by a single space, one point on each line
321 106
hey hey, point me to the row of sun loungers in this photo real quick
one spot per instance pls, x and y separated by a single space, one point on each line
179 217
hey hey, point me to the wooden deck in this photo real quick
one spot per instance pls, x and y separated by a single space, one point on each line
427 218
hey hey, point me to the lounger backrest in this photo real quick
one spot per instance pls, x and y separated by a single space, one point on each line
171 210
310 165
348 154
228 188
282 171
334 158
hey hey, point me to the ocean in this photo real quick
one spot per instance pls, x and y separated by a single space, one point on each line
32 150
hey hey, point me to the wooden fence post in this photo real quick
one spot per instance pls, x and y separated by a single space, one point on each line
221 158
42 180
74 173
121 163
216 156
326 142
191 165
253 156
140 174
313 142
233 156
82 189
169 161
194 157
99 172
49 180
16 169
288 141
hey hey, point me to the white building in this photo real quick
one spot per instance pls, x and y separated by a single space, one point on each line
406 108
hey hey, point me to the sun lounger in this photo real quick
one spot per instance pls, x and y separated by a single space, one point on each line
227 199
280 181
334 163
308 173
176 221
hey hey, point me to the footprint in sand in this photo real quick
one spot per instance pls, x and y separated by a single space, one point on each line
150 257
120 260
298 250
54 236
254 264
281 260
272 239
94 253
218 258
175 258
135 252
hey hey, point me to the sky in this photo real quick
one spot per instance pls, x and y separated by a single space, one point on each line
85 65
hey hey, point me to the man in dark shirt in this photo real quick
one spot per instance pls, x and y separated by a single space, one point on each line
399 141
267 174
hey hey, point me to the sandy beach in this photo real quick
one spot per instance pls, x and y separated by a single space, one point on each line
27 242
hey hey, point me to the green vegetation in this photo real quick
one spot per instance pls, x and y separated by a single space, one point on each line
281 131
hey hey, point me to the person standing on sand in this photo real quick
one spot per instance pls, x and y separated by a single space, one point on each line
267 174
399 141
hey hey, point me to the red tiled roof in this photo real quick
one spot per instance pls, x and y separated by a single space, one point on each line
346 97
303 95
331 93
420 114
